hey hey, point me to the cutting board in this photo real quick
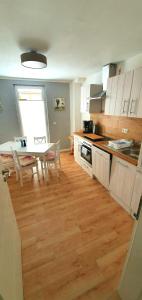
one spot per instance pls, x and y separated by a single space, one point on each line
93 136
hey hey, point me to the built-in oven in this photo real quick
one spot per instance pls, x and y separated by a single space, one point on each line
86 152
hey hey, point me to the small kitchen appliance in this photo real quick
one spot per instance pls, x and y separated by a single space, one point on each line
88 126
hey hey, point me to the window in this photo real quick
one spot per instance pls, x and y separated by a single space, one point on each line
32 111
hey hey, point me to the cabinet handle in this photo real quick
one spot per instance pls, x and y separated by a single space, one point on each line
132 111
124 104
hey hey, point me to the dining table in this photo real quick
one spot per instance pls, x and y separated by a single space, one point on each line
31 149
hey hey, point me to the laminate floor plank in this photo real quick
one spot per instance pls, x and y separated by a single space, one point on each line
74 235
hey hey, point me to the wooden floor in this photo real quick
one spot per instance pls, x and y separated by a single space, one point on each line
74 236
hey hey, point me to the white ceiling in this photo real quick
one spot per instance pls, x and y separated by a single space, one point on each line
78 36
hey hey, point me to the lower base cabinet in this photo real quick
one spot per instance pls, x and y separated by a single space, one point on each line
101 166
122 182
137 193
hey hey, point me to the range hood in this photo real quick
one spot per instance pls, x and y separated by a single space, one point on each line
98 92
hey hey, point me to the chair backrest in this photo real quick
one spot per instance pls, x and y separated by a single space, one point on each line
39 139
19 138
16 159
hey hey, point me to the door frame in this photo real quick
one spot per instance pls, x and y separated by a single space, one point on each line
43 88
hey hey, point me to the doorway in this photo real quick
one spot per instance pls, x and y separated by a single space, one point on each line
33 113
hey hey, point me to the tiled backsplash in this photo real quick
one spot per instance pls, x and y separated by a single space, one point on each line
112 126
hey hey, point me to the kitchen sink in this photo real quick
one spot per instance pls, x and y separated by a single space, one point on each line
133 152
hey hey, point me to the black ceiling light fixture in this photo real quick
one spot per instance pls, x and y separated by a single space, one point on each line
33 60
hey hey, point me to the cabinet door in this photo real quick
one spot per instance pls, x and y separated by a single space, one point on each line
137 192
108 96
113 95
101 166
119 96
126 93
76 148
116 179
129 179
135 93
122 181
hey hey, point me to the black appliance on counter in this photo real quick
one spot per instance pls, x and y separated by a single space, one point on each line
88 126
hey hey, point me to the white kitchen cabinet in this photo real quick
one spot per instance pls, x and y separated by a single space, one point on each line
126 93
137 192
113 95
108 96
119 96
122 182
135 100
101 165
77 150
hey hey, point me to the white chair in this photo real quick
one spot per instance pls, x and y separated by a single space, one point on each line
23 164
39 139
53 157
7 162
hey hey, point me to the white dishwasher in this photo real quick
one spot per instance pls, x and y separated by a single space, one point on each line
101 162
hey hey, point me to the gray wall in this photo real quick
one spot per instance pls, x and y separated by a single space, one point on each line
9 124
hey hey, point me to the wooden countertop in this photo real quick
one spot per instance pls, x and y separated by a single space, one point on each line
103 145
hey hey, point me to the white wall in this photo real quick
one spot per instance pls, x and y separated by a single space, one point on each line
95 78
130 64
75 115
9 125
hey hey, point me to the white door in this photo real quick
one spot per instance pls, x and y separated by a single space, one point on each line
135 93
10 248
130 287
126 93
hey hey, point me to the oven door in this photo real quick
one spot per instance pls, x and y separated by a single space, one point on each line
86 153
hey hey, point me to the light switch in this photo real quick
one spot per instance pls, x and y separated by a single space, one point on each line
54 123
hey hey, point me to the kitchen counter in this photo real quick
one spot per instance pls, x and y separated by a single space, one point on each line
104 146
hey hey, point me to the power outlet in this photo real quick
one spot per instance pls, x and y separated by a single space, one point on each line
125 130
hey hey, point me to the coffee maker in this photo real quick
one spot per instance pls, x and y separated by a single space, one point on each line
88 126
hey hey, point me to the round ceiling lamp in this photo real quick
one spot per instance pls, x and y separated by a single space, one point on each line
33 60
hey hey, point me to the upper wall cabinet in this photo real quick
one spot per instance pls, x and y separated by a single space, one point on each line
108 96
113 95
136 99
126 93
119 96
